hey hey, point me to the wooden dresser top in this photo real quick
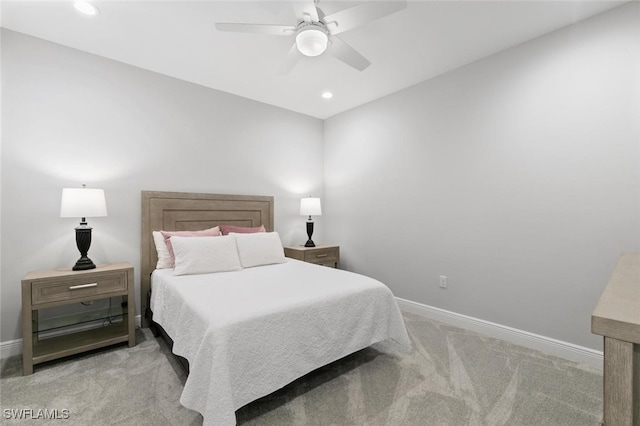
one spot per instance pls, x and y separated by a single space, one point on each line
617 313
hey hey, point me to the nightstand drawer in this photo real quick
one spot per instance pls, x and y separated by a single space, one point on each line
328 255
320 255
77 288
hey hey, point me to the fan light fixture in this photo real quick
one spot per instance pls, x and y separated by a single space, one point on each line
313 28
312 40
86 8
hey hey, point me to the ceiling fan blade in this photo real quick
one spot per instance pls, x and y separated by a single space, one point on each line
306 11
356 16
257 28
290 61
347 54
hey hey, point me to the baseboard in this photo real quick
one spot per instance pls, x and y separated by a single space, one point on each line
547 345
14 347
10 348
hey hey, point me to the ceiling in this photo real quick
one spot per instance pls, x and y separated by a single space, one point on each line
179 39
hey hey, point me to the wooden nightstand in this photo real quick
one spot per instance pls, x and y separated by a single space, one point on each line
321 255
46 289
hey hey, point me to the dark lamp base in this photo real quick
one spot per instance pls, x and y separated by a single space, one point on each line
309 233
83 241
83 264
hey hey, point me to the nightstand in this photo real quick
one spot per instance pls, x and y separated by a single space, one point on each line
57 287
321 255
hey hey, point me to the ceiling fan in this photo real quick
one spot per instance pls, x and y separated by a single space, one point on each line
316 32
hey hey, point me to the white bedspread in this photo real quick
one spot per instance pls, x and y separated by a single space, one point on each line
248 333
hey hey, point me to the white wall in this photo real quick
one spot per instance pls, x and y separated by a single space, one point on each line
517 177
71 118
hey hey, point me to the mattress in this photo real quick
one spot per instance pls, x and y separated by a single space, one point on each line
250 332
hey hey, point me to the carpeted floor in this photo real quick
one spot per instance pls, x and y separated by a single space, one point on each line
451 377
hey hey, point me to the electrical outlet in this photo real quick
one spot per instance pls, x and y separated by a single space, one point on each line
443 281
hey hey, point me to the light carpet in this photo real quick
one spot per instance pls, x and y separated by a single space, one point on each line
451 377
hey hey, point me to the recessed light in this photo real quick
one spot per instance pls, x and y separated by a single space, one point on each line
327 95
86 8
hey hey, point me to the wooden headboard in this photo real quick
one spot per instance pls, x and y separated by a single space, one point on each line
184 211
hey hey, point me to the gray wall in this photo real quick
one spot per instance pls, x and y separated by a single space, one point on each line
70 118
517 177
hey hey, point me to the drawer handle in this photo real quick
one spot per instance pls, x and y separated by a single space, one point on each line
78 287
322 255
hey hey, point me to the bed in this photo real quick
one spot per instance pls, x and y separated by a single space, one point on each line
247 332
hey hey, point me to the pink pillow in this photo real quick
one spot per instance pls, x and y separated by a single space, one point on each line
240 229
211 232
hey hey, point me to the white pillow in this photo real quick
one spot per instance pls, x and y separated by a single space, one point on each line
261 248
202 255
164 258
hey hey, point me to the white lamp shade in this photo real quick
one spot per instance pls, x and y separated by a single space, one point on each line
310 206
311 41
83 202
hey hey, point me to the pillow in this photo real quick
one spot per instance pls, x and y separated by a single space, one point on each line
164 259
262 248
227 229
203 255
211 232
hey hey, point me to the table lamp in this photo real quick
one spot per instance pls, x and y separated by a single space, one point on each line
83 202
310 206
